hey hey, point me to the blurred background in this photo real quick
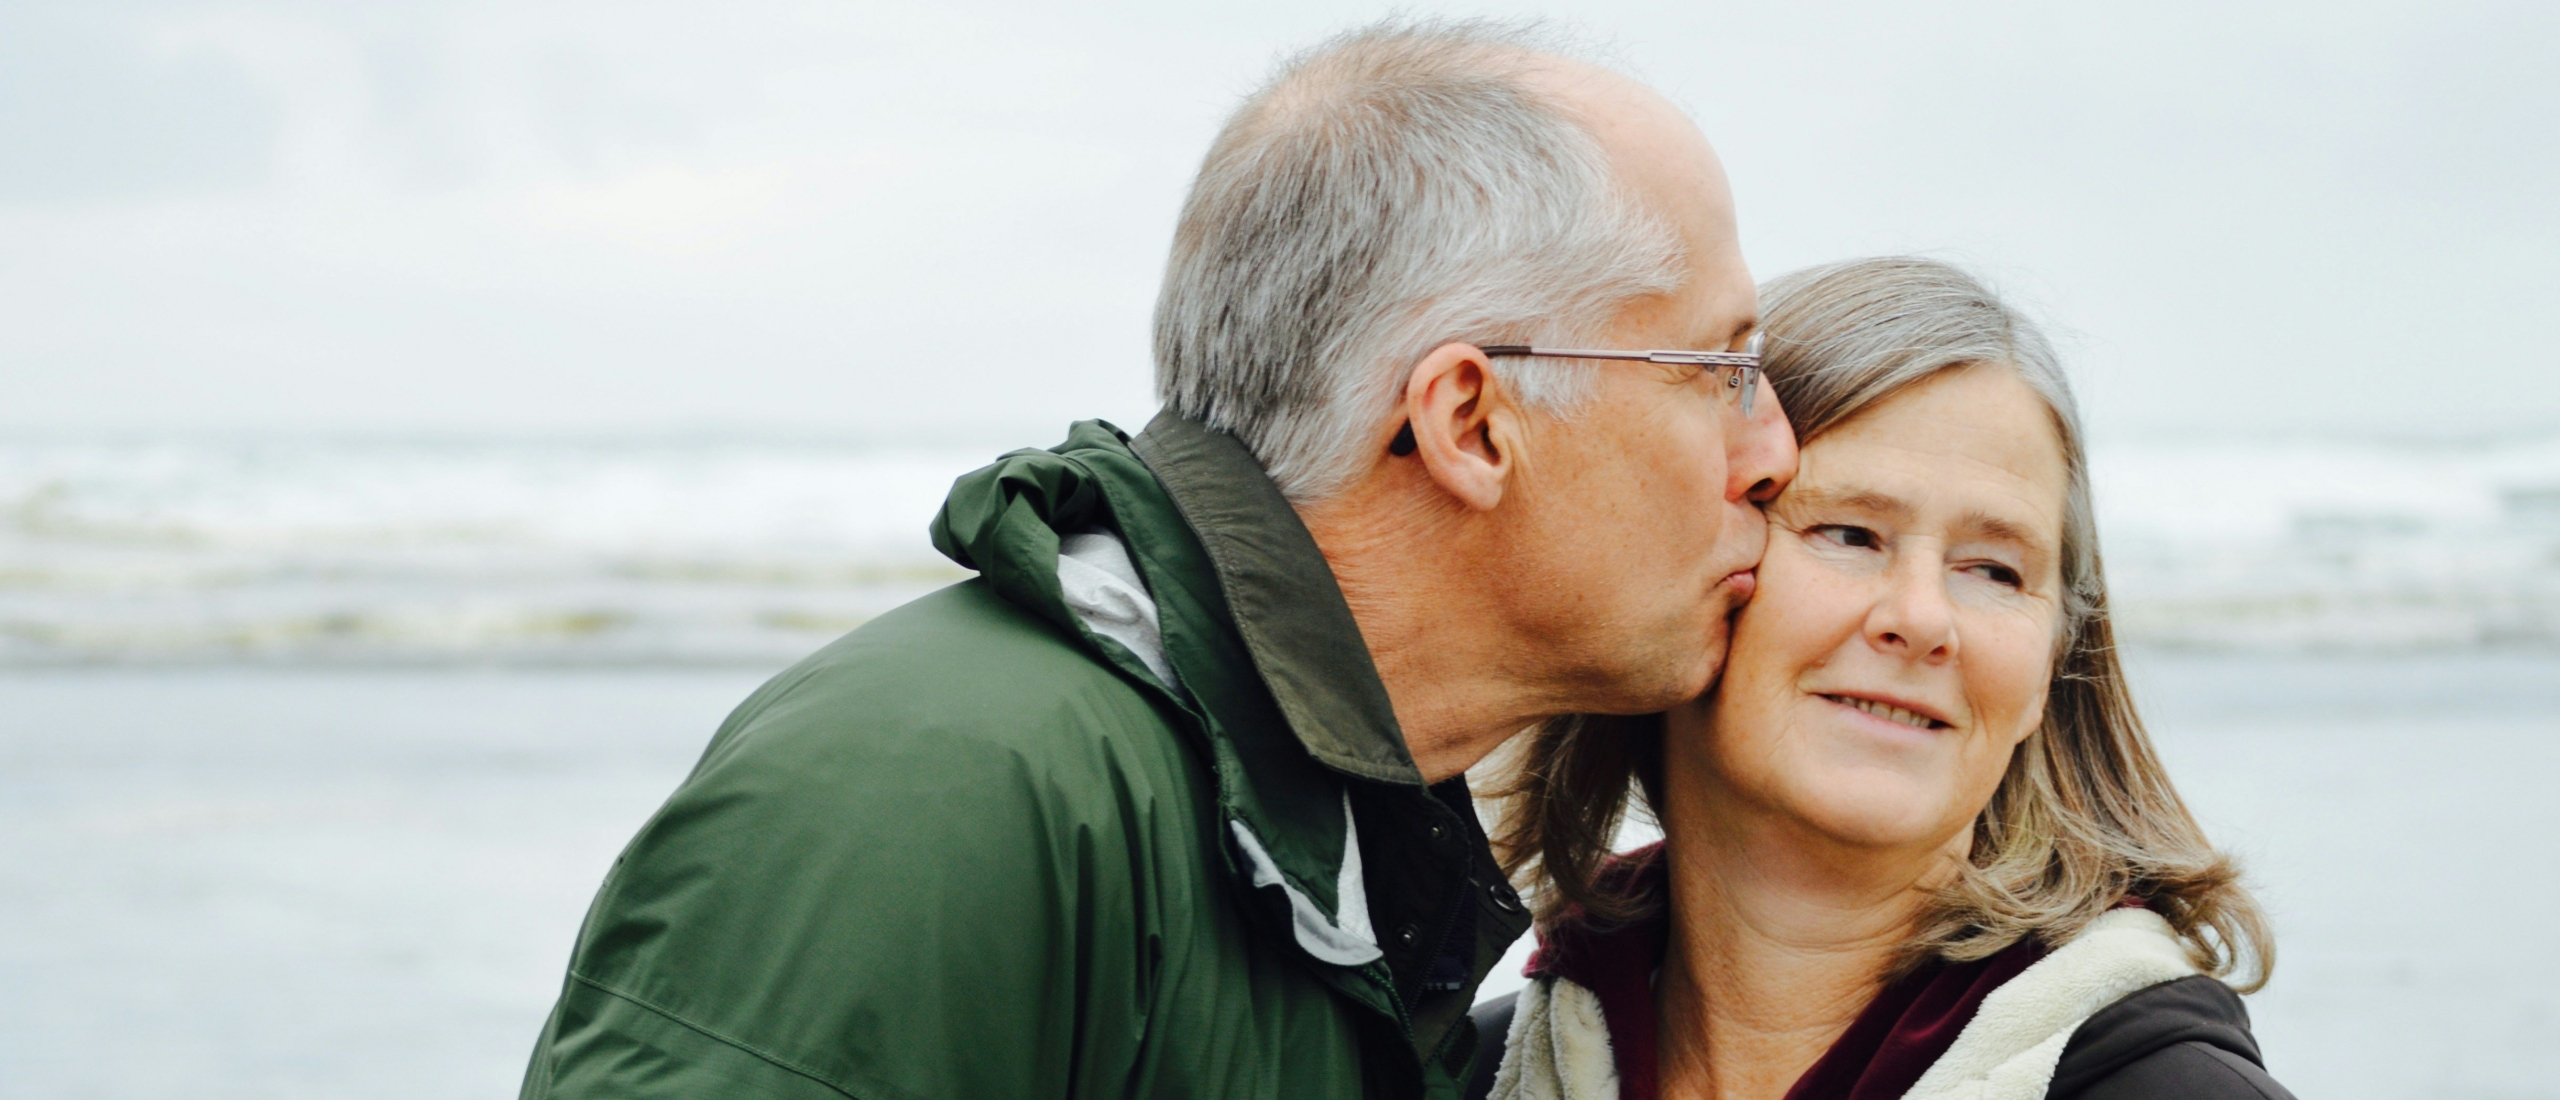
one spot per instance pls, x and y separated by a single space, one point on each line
419 423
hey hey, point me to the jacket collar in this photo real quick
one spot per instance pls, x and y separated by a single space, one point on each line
1266 653
1289 712
1286 604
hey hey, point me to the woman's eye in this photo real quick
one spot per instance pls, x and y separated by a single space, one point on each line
1855 537
2000 574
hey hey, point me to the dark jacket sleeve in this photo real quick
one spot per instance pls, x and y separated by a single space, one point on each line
2188 1038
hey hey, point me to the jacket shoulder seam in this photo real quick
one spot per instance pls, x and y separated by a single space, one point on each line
776 1060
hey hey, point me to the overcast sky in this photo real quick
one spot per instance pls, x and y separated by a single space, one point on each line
850 218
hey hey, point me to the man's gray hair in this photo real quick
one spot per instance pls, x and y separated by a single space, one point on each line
1389 191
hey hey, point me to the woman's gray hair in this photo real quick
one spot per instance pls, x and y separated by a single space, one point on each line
1844 336
1391 190
2084 820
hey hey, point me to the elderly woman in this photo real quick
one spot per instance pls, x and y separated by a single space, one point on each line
1916 843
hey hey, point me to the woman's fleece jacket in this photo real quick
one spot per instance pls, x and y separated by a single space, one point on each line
2119 1011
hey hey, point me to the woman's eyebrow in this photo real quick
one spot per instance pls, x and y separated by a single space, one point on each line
1857 500
2002 529
1877 503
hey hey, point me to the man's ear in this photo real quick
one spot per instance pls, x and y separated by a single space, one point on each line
1464 428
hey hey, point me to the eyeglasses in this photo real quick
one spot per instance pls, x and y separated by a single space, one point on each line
1745 375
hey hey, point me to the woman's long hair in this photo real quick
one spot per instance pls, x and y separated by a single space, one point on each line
2085 817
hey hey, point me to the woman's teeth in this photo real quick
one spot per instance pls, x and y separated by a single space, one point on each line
1888 712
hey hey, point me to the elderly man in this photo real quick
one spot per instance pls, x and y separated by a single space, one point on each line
1169 800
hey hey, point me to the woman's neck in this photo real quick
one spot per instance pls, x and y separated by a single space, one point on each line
1779 939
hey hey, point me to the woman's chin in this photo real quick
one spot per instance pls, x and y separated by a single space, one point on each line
1875 815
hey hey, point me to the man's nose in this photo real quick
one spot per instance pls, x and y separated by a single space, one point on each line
1761 453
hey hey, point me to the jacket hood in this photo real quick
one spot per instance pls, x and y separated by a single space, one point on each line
1005 520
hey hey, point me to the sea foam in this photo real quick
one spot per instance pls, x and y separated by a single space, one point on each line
312 550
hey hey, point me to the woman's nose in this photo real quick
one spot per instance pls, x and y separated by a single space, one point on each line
1915 619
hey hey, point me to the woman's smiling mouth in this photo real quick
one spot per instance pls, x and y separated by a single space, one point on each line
1889 712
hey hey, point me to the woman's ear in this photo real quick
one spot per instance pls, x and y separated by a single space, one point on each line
1461 425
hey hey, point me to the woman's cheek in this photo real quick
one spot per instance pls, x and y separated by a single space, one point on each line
2009 675
1805 604
1785 632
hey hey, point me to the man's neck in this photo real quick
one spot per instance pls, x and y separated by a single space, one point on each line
1454 677
1778 942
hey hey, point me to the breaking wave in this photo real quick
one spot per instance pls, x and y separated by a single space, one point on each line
738 552
428 552
2306 546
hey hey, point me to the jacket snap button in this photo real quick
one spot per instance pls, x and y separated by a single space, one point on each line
1439 832
1501 897
1407 936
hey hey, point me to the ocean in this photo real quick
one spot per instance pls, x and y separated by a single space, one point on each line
312 752
327 551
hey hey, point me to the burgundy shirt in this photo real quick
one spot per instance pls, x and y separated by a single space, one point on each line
1899 1036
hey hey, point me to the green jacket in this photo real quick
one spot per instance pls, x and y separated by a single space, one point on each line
974 849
